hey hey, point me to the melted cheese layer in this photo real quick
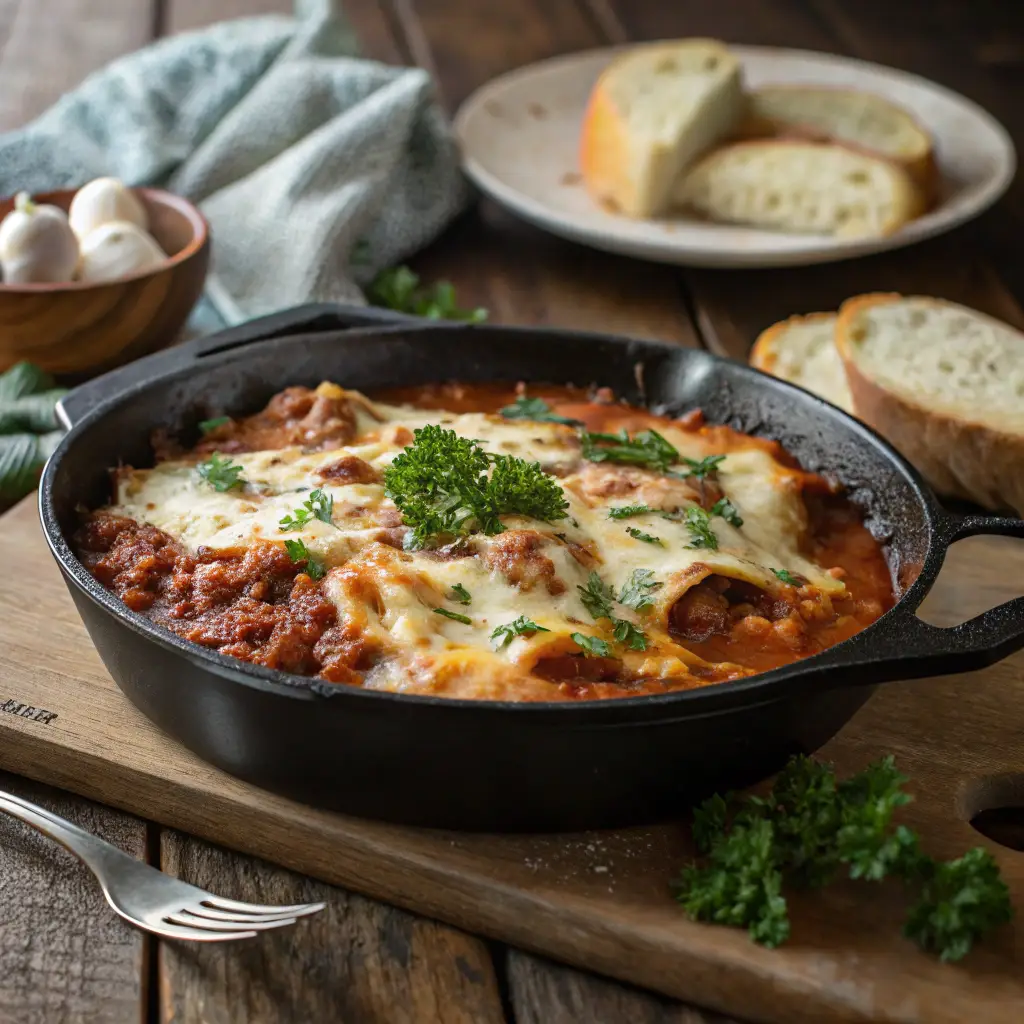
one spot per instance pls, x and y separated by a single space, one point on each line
533 569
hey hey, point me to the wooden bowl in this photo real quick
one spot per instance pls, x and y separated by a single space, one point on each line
80 329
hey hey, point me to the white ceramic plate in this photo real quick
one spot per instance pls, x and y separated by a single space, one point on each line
519 136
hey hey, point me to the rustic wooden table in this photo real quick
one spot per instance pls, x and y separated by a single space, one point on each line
63 956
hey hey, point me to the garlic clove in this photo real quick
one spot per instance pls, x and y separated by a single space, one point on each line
37 244
103 201
117 250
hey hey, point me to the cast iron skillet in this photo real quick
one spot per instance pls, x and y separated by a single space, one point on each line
500 766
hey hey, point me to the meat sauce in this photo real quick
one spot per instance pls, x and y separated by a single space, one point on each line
259 606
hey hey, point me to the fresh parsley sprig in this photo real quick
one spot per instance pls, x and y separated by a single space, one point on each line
317 506
598 598
456 616
647 538
788 577
592 646
625 511
208 426
460 593
647 448
636 594
298 552
441 486
221 473
698 522
399 288
702 469
504 635
536 409
811 826
727 510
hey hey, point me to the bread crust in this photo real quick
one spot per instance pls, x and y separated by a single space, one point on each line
604 148
764 352
957 457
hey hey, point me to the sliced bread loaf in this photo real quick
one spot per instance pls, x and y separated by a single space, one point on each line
653 111
798 186
802 350
858 118
945 384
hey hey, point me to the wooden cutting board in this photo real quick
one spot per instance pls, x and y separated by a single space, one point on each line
600 900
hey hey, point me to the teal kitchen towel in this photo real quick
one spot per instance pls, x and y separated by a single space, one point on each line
298 152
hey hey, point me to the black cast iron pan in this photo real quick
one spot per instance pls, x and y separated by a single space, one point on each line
496 766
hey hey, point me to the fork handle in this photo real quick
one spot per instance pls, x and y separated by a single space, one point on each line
94 852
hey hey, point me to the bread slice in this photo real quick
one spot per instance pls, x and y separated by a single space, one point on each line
804 187
945 384
802 350
653 111
857 118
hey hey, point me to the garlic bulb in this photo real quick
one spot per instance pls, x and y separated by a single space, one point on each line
104 200
116 250
37 244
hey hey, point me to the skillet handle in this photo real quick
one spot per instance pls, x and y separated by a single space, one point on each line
906 647
314 318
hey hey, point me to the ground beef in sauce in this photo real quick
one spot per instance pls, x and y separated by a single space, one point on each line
255 606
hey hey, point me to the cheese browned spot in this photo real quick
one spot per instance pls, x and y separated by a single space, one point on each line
712 612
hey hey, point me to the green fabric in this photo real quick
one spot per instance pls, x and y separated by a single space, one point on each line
294 149
28 428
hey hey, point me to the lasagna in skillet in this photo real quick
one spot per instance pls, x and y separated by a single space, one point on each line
479 541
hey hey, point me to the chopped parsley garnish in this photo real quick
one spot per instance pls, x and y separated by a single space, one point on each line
317 506
298 552
208 426
636 594
727 510
632 636
787 577
625 511
399 288
454 615
701 469
460 593
648 449
517 627
810 827
593 646
440 485
647 538
220 473
536 409
698 522
597 597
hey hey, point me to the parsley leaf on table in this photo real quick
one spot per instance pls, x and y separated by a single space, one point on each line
398 288
807 828
636 594
441 487
517 627
298 552
648 448
317 506
220 473
536 409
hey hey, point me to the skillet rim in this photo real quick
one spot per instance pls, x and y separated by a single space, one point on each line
710 699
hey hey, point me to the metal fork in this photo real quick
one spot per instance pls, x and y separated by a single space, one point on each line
149 899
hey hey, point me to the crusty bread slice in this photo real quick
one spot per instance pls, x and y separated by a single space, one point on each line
857 118
802 187
945 384
802 350
653 111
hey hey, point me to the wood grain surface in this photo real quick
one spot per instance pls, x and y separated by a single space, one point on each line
60 958
598 899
